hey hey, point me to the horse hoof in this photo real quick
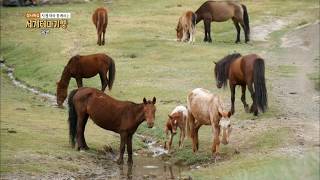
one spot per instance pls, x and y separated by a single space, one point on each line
237 42
130 162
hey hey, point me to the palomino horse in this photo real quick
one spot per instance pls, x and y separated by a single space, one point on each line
186 27
220 11
207 109
100 20
122 117
244 71
88 66
177 118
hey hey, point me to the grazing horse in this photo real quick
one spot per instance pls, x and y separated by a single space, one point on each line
100 20
220 11
88 66
122 117
204 108
186 27
244 71
177 118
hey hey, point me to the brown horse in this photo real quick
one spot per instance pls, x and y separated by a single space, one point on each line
186 27
122 117
100 20
244 71
88 66
177 118
220 11
207 109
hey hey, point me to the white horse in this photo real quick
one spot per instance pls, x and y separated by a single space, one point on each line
207 109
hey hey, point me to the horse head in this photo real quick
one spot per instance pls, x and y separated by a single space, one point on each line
174 120
225 125
62 93
149 110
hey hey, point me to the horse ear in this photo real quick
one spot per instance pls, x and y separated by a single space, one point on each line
144 100
214 62
229 114
154 100
169 116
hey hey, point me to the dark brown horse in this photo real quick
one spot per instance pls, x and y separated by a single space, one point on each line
244 71
220 11
100 20
122 117
88 66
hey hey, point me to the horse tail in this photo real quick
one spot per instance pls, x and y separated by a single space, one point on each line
112 73
246 18
260 95
72 118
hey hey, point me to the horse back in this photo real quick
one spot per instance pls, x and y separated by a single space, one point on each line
202 105
88 66
105 111
237 72
218 11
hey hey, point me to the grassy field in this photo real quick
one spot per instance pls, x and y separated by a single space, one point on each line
140 38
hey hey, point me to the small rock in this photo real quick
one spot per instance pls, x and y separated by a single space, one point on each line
21 109
12 131
179 5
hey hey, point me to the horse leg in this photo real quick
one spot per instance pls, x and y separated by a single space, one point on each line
103 78
216 141
165 142
129 149
81 123
170 141
79 82
236 24
207 23
182 136
253 106
205 31
197 137
243 98
103 38
233 91
84 127
246 36
99 39
123 141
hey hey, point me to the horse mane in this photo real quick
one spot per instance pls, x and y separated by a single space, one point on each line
222 67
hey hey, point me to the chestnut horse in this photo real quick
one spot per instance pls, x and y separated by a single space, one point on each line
88 66
220 11
177 118
244 71
122 117
207 109
100 20
186 27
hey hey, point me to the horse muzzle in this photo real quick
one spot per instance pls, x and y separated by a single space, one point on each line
150 125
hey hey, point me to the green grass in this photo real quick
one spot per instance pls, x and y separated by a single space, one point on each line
149 63
262 167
